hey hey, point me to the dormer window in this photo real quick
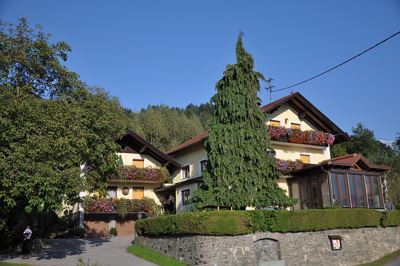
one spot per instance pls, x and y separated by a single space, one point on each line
275 123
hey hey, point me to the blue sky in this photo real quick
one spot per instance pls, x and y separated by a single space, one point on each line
173 52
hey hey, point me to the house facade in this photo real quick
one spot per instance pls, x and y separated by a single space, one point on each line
131 194
301 138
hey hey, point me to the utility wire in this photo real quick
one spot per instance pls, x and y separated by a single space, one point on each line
341 64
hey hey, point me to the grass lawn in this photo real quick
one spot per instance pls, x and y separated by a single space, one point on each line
12 264
153 256
385 259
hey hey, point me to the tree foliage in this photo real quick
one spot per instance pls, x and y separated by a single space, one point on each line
50 124
239 172
163 126
363 140
30 63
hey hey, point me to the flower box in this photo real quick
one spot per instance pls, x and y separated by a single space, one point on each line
310 137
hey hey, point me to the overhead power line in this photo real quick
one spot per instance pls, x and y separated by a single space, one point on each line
339 65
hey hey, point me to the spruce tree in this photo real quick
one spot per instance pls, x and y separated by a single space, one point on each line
239 172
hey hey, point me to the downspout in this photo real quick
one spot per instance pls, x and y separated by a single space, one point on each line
329 183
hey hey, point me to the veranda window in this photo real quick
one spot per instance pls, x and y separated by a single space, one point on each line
373 192
356 190
340 191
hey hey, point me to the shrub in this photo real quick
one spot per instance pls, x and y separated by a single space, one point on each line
113 231
244 222
204 223
391 218
324 219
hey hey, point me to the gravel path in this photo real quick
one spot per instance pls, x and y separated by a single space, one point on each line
66 252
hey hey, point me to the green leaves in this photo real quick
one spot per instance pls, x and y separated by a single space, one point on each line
50 124
30 63
239 173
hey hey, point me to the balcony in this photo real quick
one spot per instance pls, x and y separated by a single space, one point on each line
121 207
310 137
287 166
146 174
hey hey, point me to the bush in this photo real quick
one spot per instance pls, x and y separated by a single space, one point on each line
244 222
317 220
203 223
391 218
113 231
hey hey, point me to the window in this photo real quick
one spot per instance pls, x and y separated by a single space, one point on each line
295 126
275 123
138 192
304 158
339 189
372 184
185 171
271 154
203 165
360 190
357 190
185 197
138 163
112 192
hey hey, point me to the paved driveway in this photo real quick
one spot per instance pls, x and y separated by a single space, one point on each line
66 252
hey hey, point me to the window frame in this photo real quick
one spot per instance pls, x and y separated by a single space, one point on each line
201 165
364 190
116 192
186 176
183 200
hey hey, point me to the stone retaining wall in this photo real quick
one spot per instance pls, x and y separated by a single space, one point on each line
308 248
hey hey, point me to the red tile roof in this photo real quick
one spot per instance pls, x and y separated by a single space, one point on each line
299 102
189 143
352 160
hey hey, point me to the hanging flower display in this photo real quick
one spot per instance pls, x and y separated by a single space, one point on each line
310 137
142 174
286 166
105 205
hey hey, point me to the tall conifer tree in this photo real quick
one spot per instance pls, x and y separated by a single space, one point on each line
239 172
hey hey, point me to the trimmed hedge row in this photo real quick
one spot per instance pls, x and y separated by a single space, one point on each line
245 222
199 223
391 219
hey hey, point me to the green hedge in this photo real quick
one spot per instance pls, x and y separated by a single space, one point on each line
244 222
200 223
391 218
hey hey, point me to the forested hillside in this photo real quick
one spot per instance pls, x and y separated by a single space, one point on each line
166 127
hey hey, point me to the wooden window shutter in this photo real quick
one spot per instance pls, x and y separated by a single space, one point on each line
275 123
138 193
304 158
138 163
295 126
